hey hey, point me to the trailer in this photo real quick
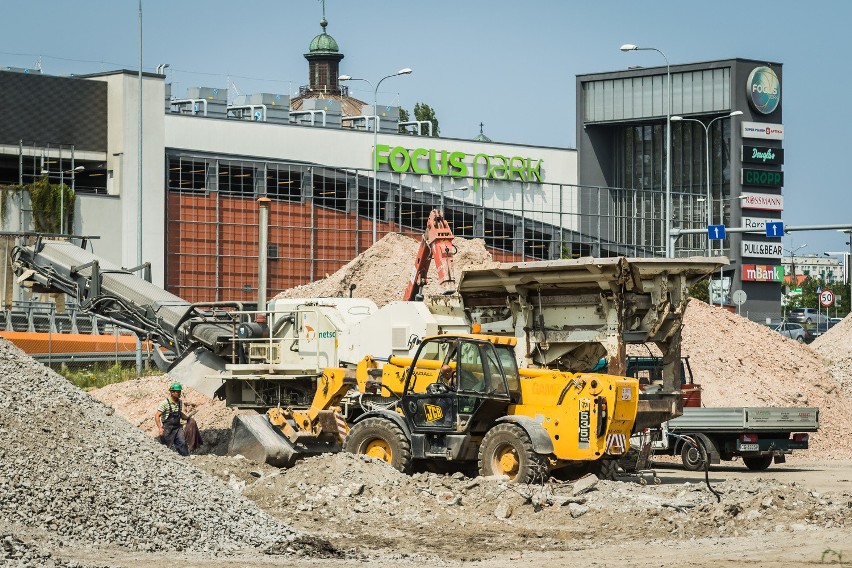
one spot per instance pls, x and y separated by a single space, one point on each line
760 436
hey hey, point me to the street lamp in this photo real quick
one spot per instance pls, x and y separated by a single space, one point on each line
668 206
405 71
793 260
707 160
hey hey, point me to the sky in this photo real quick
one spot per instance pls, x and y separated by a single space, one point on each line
510 65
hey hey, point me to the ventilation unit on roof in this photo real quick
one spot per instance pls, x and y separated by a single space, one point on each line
388 117
23 70
318 112
203 101
261 107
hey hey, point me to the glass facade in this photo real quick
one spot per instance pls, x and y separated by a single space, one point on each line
640 162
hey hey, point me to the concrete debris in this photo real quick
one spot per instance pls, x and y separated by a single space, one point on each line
585 484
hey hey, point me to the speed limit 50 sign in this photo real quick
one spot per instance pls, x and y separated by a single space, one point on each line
826 298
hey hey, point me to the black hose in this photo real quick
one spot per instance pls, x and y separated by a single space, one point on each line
698 444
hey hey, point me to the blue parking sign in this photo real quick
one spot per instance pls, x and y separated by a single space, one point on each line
775 229
716 232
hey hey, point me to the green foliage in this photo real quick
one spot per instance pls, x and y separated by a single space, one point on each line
422 111
49 202
700 290
97 375
810 299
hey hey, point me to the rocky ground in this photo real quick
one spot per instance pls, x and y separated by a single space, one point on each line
83 482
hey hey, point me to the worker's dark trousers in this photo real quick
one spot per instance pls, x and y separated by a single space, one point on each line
173 434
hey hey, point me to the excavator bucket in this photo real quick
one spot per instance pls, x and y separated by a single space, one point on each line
253 436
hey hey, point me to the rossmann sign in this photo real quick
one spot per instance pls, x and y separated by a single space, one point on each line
458 164
763 273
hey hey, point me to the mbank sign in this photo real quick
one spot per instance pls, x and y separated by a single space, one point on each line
454 164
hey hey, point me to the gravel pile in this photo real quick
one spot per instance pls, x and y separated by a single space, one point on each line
69 466
15 552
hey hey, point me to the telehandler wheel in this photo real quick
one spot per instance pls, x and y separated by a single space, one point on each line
381 439
691 458
758 463
507 450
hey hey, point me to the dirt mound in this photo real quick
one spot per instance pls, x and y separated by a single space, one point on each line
381 272
742 363
835 346
136 400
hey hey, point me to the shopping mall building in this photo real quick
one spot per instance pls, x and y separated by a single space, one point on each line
206 159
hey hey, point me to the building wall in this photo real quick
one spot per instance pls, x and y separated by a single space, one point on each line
607 102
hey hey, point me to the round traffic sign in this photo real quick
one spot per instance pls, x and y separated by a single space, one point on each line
739 297
826 298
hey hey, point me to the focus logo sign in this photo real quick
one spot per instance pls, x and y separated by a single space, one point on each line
585 422
764 90
433 412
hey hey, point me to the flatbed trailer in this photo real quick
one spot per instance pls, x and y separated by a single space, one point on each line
758 435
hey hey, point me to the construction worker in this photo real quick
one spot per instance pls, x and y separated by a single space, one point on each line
168 417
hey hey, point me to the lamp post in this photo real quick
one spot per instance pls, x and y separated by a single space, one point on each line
706 127
668 205
405 71
793 261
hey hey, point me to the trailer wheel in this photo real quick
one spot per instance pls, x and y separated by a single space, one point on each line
691 458
380 438
507 450
757 463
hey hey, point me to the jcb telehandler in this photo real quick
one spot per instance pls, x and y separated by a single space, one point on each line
461 399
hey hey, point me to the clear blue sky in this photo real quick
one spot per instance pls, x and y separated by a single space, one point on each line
511 65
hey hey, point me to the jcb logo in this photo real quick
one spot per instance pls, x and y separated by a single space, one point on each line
433 412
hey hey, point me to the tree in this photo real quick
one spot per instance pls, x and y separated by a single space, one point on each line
701 290
403 117
424 112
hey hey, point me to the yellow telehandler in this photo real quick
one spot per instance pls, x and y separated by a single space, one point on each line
460 399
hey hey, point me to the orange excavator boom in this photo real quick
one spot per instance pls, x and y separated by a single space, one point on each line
437 246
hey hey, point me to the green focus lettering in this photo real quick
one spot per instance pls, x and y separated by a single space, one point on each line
519 170
396 153
458 165
434 167
533 171
499 171
415 164
487 164
381 154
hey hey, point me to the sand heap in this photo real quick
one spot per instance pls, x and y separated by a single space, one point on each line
835 347
381 272
136 401
742 363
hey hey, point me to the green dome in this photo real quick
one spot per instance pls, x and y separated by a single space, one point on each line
323 43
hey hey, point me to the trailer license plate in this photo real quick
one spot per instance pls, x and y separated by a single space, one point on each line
749 447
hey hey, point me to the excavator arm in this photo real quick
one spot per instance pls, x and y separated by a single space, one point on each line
437 246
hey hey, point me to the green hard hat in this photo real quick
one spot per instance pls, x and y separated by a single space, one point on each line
175 387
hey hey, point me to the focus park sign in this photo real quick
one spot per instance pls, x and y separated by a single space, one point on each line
458 164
